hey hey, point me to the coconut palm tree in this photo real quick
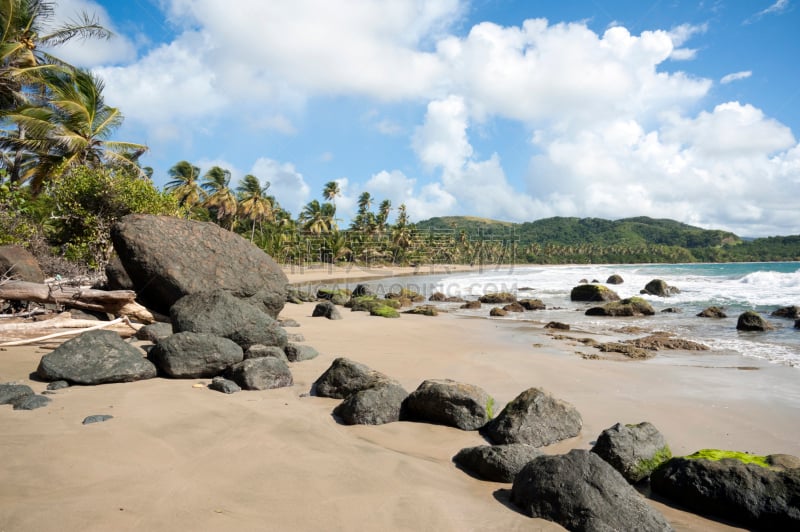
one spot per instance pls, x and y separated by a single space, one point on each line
317 218
331 191
254 204
383 215
185 184
72 129
221 200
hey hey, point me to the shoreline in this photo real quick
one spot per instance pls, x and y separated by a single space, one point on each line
179 457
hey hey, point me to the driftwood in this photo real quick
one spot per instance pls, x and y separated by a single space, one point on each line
80 326
117 302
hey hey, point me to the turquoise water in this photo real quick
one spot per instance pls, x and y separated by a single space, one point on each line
735 287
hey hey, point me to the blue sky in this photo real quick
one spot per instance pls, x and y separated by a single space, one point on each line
514 110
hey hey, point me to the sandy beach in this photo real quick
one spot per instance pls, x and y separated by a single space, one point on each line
180 457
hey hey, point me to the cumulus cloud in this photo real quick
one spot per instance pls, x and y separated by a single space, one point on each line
117 50
286 183
735 76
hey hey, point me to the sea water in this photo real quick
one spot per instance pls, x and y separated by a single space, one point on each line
736 287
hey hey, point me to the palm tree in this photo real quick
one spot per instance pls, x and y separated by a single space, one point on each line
71 129
317 218
254 203
331 191
26 33
185 184
220 200
383 215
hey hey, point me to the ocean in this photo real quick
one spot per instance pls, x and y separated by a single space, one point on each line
736 287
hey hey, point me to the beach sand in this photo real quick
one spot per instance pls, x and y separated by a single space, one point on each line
179 457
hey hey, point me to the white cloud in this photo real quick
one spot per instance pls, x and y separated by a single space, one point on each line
780 6
117 50
735 76
286 183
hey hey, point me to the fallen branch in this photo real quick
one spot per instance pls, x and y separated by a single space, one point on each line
102 325
117 302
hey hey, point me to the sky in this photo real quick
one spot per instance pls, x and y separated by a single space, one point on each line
512 110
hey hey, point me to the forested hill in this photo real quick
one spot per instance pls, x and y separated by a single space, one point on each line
580 240
581 231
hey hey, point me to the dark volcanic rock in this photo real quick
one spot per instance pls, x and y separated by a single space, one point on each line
451 403
31 402
658 287
532 304
345 377
498 298
17 263
498 312
614 279
10 392
372 406
362 290
514 307
188 355
747 494
534 417
471 305
97 418
116 276
792 312
261 374
634 306
261 351
633 450
299 352
712 312
168 258
221 384
496 463
751 320
95 357
581 492
219 313
326 309
154 332
593 292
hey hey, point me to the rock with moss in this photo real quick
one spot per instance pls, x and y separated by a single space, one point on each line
634 306
514 307
362 290
664 340
593 292
406 293
337 296
629 350
498 298
423 310
751 320
534 417
451 403
633 450
498 312
532 304
372 406
741 488
712 312
345 377
471 305
496 463
384 311
660 288
580 491
437 297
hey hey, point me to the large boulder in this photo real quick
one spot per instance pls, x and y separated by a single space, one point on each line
220 313
345 377
660 288
580 491
188 355
615 279
498 298
154 332
532 304
750 320
633 450
496 463
116 276
749 494
634 306
712 312
17 263
593 292
534 417
372 406
10 392
451 403
792 312
261 374
168 258
95 357
326 309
